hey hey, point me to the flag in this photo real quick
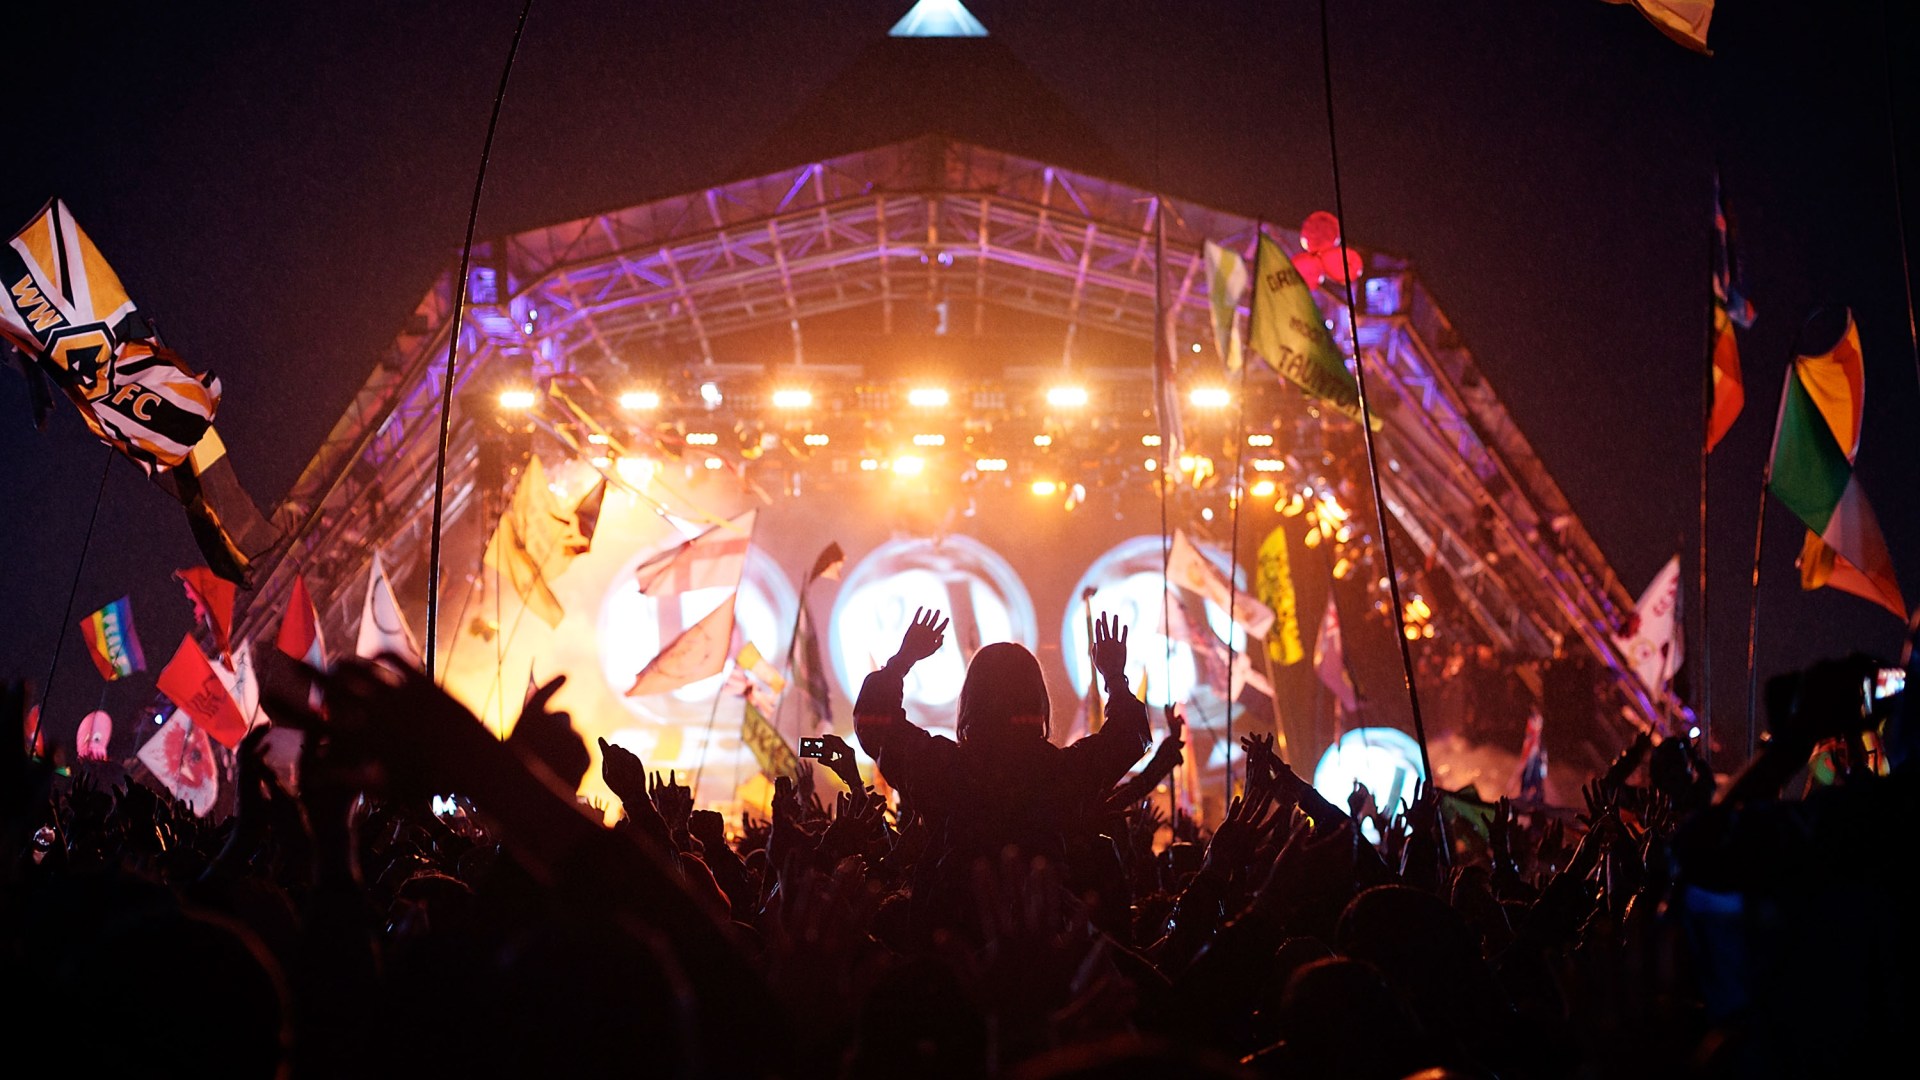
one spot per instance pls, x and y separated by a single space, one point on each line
1226 284
810 672
1273 586
1532 779
1652 643
111 641
212 600
227 525
1194 572
300 635
180 758
714 559
770 749
700 652
828 565
1685 21
383 629
94 736
1815 440
1288 330
1210 664
1330 659
1730 309
750 660
537 539
586 514
62 305
190 682
241 683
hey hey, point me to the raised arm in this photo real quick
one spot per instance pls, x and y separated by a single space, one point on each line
1124 736
879 715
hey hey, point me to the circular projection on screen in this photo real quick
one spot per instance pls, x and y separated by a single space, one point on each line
634 627
1126 583
958 575
1385 761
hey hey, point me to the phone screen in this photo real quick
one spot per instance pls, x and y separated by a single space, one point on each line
813 748
1888 682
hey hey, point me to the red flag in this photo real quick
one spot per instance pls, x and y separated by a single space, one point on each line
300 628
190 682
212 599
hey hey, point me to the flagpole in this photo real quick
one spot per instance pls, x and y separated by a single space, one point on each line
1899 204
1162 352
1366 415
1759 545
453 349
73 591
1704 696
1238 496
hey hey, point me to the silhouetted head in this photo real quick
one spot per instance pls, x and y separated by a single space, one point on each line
1005 693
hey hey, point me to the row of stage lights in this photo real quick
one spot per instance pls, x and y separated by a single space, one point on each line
518 399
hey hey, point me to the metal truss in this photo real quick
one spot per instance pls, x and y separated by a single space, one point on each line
676 282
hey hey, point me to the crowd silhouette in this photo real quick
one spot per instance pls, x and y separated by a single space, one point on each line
1015 908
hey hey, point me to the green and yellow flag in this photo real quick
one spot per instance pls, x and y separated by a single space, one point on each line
1273 584
1288 330
770 749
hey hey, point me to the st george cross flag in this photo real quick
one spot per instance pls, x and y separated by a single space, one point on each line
1194 572
1226 284
212 600
300 635
62 305
190 682
180 758
1330 659
111 641
1652 644
1289 332
383 629
537 540
1815 441
1684 21
698 653
714 559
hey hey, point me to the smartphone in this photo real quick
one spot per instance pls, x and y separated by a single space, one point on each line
1888 681
813 748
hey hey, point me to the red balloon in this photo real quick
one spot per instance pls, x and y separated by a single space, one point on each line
1350 271
1320 232
1310 267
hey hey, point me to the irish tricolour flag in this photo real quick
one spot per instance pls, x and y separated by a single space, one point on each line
1814 443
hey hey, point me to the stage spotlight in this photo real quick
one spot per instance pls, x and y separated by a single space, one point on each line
1259 440
517 399
869 464
1045 487
927 397
929 440
909 465
702 438
1196 346
715 463
814 438
1262 489
1269 465
636 471
598 438
1149 440
1151 464
792 399
1043 440
600 461
639 400
1067 397
710 393
1209 397
1187 462
990 464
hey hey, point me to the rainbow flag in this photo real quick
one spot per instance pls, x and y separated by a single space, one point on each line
111 642
1815 441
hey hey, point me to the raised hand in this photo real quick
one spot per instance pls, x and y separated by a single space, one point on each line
1110 650
624 773
840 760
923 638
1169 752
549 737
673 799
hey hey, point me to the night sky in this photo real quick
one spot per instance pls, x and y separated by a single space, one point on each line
277 185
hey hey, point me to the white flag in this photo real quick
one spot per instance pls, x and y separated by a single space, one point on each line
382 628
1226 284
714 559
182 759
1194 572
240 682
1653 648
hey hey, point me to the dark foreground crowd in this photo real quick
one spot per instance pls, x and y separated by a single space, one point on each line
1010 916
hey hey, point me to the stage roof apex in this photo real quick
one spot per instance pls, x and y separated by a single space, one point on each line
938 19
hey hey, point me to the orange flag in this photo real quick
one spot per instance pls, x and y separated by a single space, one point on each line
190 682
